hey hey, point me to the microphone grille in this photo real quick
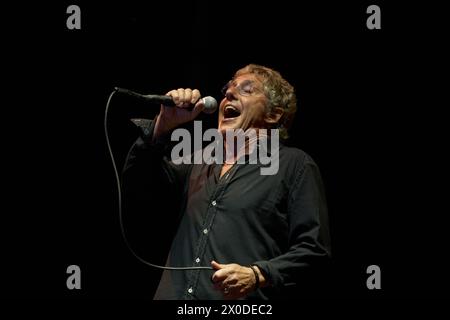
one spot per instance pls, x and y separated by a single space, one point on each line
210 105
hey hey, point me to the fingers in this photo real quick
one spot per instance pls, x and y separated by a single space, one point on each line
229 289
195 96
233 280
226 286
221 272
214 264
219 276
222 278
199 106
184 97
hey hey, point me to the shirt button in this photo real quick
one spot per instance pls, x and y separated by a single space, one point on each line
214 203
197 260
205 231
190 290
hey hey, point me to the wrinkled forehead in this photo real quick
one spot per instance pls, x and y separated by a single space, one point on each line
237 79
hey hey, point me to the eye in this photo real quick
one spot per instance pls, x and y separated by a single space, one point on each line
247 87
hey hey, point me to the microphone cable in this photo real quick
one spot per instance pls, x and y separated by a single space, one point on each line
119 194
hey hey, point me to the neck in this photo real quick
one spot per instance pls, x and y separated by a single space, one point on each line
241 143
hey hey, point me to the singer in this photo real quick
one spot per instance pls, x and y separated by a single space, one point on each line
265 236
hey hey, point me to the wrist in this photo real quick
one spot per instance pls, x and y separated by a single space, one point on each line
161 128
260 279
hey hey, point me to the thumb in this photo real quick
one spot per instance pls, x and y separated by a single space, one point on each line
217 266
199 106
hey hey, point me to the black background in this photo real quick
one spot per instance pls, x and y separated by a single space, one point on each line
363 116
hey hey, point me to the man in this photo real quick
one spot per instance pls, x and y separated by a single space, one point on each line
263 235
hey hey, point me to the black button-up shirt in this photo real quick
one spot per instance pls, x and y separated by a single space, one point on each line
277 222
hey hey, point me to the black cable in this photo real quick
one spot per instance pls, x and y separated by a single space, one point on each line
119 193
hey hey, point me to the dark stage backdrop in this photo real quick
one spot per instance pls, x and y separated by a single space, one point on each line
361 116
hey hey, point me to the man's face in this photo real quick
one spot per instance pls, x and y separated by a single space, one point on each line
244 104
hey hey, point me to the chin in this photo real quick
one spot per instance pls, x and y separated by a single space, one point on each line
223 129
228 125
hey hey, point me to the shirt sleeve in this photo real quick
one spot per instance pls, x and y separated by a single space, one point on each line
149 159
309 241
153 190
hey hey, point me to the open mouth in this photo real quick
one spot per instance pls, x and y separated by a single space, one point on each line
230 112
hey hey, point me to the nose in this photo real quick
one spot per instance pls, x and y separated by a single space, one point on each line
230 94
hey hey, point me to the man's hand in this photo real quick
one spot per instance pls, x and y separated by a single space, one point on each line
235 281
171 117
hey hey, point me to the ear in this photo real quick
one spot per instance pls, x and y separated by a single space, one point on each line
274 116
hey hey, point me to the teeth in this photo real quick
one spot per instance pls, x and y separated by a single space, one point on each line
231 112
230 107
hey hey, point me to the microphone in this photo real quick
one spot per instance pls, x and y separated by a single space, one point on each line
209 102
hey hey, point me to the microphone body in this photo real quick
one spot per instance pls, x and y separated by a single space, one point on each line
209 102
